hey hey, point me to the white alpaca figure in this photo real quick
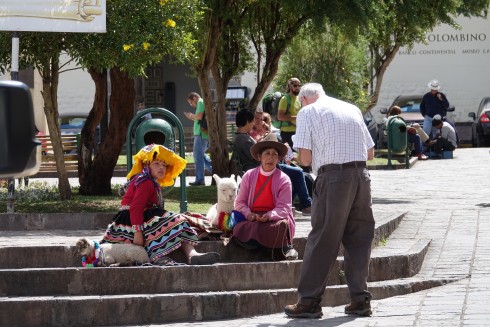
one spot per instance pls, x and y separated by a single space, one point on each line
227 190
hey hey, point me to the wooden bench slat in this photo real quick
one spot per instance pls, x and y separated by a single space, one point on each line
70 157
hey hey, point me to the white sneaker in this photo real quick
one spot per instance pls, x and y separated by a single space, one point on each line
292 254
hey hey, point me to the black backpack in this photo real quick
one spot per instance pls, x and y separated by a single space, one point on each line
270 104
204 123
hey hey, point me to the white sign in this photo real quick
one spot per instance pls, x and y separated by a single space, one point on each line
83 16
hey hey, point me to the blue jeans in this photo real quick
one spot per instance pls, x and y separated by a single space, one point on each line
428 126
417 144
298 183
201 160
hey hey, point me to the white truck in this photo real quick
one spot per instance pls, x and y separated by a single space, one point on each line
459 59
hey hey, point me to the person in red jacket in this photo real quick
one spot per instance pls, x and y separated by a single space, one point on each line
142 219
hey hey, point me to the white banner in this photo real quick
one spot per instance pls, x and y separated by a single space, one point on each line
83 16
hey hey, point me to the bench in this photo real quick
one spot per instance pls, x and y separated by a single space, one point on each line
189 136
70 155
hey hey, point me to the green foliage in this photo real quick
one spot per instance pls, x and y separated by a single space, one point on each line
41 197
139 33
35 192
330 58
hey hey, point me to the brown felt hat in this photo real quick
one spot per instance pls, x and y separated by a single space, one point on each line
259 147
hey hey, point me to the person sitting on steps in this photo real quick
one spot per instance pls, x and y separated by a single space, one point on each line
243 142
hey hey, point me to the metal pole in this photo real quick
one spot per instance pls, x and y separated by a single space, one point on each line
14 75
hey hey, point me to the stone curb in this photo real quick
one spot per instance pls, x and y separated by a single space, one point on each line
245 276
165 308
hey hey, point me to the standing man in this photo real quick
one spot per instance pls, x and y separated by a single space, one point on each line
201 160
332 136
433 103
288 108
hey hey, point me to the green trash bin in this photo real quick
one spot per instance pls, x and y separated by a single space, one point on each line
397 134
156 131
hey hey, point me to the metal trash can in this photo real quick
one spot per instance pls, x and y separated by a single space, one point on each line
156 131
397 134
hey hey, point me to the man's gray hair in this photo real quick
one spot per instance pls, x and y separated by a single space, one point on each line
311 90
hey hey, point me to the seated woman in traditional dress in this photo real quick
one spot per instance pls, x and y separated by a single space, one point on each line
264 199
142 219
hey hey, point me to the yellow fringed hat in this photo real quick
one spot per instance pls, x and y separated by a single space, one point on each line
175 164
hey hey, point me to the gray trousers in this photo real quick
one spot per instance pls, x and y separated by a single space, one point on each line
340 212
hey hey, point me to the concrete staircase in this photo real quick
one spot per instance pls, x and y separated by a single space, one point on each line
43 284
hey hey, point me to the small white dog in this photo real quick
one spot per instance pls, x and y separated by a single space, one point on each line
227 190
110 254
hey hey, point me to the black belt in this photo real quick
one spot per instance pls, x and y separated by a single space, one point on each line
352 164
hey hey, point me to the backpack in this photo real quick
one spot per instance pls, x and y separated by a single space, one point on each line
204 123
270 104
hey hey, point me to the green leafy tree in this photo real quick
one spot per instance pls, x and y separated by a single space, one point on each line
42 51
139 34
222 53
273 25
328 57
224 35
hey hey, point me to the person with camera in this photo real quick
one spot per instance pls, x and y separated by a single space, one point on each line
201 160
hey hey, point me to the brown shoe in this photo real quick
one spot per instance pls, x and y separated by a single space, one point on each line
306 211
361 308
297 310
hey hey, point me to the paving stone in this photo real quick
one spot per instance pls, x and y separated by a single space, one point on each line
452 210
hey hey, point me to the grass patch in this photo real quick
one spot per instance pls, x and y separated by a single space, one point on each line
383 241
40 197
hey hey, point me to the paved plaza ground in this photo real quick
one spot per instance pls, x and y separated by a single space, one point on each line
446 201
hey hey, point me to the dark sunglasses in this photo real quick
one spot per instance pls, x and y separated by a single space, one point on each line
296 85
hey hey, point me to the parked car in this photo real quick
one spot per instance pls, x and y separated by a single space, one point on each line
372 126
480 128
72 124
410 107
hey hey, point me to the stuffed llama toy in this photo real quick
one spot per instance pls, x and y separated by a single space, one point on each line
227 191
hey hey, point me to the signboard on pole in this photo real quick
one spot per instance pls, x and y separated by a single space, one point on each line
82 16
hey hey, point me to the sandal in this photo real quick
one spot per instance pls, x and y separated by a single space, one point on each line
167 262
204 259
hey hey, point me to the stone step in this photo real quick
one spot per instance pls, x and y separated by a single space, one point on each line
139 309
98 221
28 242
404 261
42 283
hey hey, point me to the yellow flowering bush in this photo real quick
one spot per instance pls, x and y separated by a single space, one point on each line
170 23
127 47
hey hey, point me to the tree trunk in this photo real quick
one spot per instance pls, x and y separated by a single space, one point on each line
220 147
216 119
97 181
87 140
386 60
50 76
